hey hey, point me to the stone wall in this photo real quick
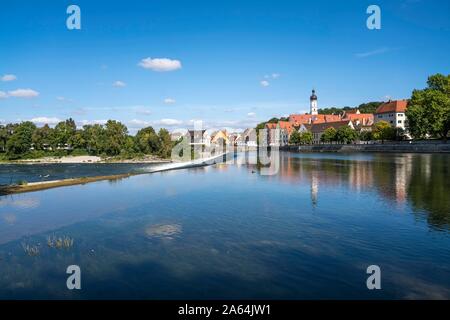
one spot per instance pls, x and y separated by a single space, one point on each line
386 147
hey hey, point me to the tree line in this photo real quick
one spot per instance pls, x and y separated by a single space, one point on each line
26 140
345 134
369 107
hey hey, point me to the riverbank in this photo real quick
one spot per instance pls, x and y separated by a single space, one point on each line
43 185
382 148
87 159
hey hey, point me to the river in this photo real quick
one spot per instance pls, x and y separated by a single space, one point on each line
228 231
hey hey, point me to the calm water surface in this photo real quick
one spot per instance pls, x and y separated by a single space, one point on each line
13 173
227 231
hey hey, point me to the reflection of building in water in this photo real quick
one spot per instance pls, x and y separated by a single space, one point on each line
402 174
389 177
360 175
314 187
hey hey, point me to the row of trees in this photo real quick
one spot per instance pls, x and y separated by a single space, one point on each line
301 138
345 134
369 107
381 131
111 139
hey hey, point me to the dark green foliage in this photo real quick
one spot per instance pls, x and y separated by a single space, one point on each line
429 109
25 140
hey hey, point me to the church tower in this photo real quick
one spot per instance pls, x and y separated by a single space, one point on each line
313 103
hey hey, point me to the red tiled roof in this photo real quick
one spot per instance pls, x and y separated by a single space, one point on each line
364 118
393 106
271 125
299 119
286 125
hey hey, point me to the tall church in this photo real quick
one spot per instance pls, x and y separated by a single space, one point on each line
313 104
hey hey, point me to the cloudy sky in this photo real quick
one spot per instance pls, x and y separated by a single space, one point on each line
228 63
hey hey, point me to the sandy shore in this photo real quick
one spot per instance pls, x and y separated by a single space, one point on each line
68 159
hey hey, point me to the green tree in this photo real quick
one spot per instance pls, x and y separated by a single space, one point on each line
329 135
42 137
383 131
3 137
148 141
77 140
21 140
5 133
428 111
306 137
64 131
369 107
295 138
116 135
94 137
166 143
346 134
365 135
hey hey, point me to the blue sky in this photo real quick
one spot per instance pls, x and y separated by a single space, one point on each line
224 51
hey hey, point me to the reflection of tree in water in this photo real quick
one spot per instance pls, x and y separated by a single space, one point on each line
421 179
429 188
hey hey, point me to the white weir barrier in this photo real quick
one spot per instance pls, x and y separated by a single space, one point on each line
203 162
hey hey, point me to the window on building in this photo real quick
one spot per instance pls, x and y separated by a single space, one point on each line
399 121
391 122
400 114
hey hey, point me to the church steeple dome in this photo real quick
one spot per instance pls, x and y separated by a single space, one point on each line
313 103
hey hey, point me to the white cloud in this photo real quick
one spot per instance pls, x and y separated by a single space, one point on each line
169 122
119 84
137 123
160 64
45 120
272 76
265 83
23 93
8 77
372 53
86 122
3 95
251 114
169 101
143 111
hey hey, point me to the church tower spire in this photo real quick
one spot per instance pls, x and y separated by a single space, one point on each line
313 103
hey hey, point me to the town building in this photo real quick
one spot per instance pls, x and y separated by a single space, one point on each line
358 118
393 112
249 138
278 133
198 137
317 129
220 137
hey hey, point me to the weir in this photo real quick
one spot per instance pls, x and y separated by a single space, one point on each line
203 162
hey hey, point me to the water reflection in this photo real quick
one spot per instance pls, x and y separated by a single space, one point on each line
423 180
230 232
